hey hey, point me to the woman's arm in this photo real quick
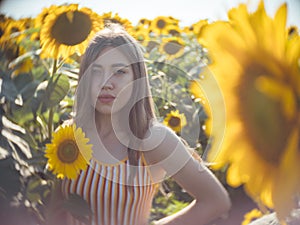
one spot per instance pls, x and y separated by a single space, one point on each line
211 199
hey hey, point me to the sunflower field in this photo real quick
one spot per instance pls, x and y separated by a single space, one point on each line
230 88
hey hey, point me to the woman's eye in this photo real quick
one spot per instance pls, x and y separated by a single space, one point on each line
96 71
121 71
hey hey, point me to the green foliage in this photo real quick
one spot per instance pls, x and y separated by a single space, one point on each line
170 199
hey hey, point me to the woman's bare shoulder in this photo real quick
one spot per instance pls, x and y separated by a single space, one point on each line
158 134
160 142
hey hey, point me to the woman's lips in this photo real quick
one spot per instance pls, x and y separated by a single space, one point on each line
106 98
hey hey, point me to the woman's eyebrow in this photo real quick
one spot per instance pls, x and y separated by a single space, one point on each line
120 65
97 65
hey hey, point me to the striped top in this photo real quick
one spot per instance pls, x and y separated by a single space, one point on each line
112 200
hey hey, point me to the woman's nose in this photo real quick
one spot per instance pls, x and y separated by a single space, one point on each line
108 85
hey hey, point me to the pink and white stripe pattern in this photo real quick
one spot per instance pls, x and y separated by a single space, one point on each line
109 196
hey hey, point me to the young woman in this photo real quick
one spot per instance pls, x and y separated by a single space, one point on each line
132 152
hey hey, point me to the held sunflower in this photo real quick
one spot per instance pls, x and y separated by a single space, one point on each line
67 30
175 120
69 152
256 63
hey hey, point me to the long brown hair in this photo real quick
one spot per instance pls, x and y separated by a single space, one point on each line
142 113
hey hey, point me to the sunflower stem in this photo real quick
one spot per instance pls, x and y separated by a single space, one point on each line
50 123
54 67
51 111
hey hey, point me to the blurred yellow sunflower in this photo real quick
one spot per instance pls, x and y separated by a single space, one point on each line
256 63
174 30
21 63
67 30
69 152
14 30
159 24
110 18
141 34
39 20
150 45
252 215
175 120
15 54
3 32
172 47
144 22
195 28
207 92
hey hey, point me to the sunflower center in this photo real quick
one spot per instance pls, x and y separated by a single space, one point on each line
266 127
143 21
71 32
151 45
161 24
172 48
14 30
68 151
174 121
174 32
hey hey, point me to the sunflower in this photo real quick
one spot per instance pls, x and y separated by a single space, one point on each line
206 91
2 29
4 34
252 215
39 20
175 120
144 22
68 153
173 47
256 63
160 23
23 63
13 30
141 34
110 18
173 30
67 30
195 28
150 45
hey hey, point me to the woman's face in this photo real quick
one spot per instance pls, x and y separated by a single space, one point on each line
111 81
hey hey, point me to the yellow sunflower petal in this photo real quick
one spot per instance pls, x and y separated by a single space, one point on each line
288 180
252 215
69 152
67 30
257 68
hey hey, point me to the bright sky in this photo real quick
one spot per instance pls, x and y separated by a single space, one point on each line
187 11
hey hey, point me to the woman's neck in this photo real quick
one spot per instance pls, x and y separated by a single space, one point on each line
104 124
111 138
108 125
